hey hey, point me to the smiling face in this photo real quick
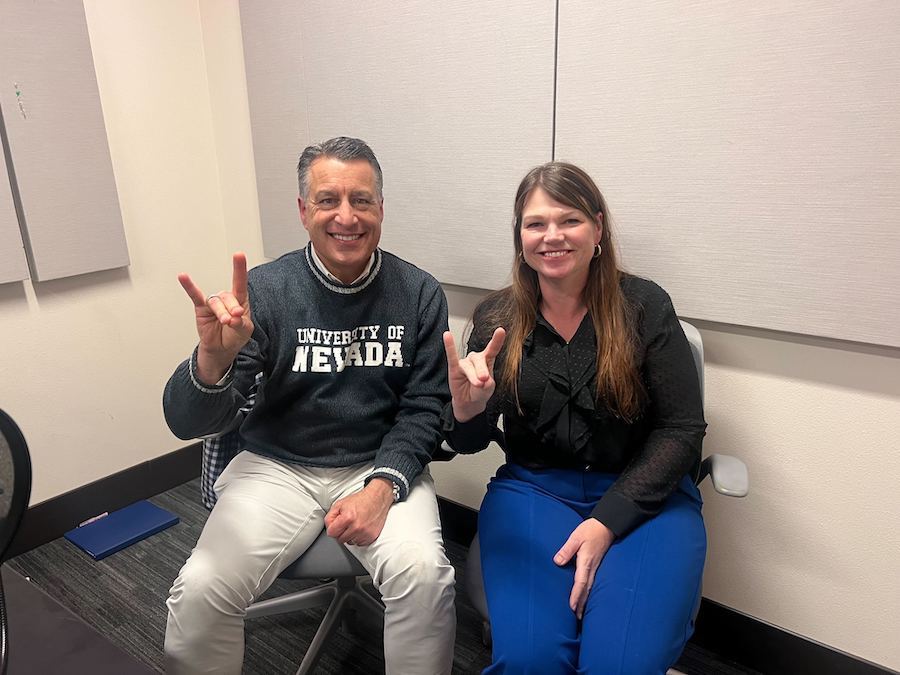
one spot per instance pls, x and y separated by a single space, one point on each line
557 240
342 214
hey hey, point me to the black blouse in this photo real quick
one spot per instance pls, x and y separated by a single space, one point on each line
562 425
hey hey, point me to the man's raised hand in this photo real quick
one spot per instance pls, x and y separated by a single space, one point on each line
223 322
472 378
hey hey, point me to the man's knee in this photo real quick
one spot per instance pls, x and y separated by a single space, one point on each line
417 569
204 585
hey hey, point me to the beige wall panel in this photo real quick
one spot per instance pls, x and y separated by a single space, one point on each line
455 99
13 265
57 139
749 152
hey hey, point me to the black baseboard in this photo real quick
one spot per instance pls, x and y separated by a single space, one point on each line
51 519
769 649
459 523
730 634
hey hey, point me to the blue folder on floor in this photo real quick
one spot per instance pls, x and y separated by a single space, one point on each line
121 528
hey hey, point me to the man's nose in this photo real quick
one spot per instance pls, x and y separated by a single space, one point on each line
345 213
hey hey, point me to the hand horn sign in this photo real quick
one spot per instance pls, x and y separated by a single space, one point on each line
223 322
471 379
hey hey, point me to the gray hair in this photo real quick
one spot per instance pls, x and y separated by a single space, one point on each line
343 148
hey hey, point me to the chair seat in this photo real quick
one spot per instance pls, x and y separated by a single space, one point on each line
326 558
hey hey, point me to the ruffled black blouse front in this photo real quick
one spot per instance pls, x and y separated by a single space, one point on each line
563 425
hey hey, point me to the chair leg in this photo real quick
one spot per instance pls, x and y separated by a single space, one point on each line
368 604
326 628
341 596
308 598
486 638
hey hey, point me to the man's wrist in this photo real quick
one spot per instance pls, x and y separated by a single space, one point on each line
384 488
211 368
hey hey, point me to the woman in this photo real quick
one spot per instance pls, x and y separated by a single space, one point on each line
592 540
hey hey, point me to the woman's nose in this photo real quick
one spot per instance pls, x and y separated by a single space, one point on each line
552 233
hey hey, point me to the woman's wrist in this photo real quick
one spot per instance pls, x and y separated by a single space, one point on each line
463 413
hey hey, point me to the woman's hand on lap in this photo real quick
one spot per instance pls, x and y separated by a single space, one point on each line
588 544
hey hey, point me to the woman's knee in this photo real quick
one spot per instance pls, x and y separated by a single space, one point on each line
647 660
539 654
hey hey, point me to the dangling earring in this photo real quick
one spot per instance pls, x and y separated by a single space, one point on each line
597 251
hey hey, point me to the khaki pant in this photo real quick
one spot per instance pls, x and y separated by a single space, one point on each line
267 514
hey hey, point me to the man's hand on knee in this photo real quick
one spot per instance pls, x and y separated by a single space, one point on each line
359 518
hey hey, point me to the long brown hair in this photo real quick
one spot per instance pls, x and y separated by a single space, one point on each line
618 383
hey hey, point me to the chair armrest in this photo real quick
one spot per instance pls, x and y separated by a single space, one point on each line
728 474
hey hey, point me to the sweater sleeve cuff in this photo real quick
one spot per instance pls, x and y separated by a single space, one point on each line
618 513
397 468
216 388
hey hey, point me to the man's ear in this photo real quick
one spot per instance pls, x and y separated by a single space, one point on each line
304 211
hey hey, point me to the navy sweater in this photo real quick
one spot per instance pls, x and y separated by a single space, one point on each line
351 373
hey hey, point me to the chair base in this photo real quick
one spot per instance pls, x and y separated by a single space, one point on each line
342 595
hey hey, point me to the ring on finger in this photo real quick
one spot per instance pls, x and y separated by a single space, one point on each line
210 297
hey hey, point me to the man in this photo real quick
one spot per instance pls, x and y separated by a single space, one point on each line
348 340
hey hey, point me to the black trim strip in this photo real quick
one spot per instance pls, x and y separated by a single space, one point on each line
459 523
769 649
51 519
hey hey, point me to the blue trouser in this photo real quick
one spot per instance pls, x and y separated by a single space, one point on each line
640 611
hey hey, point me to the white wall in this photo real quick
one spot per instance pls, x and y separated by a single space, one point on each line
84 360
813 549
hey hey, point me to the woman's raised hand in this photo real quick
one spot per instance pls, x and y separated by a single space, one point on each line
472 378
223 322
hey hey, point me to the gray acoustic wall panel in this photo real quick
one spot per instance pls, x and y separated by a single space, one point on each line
13 265
750 152
273 58
456 99
57 138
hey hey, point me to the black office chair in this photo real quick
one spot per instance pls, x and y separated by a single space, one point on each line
728 475
15 491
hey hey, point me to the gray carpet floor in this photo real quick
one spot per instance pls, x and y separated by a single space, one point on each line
123 597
